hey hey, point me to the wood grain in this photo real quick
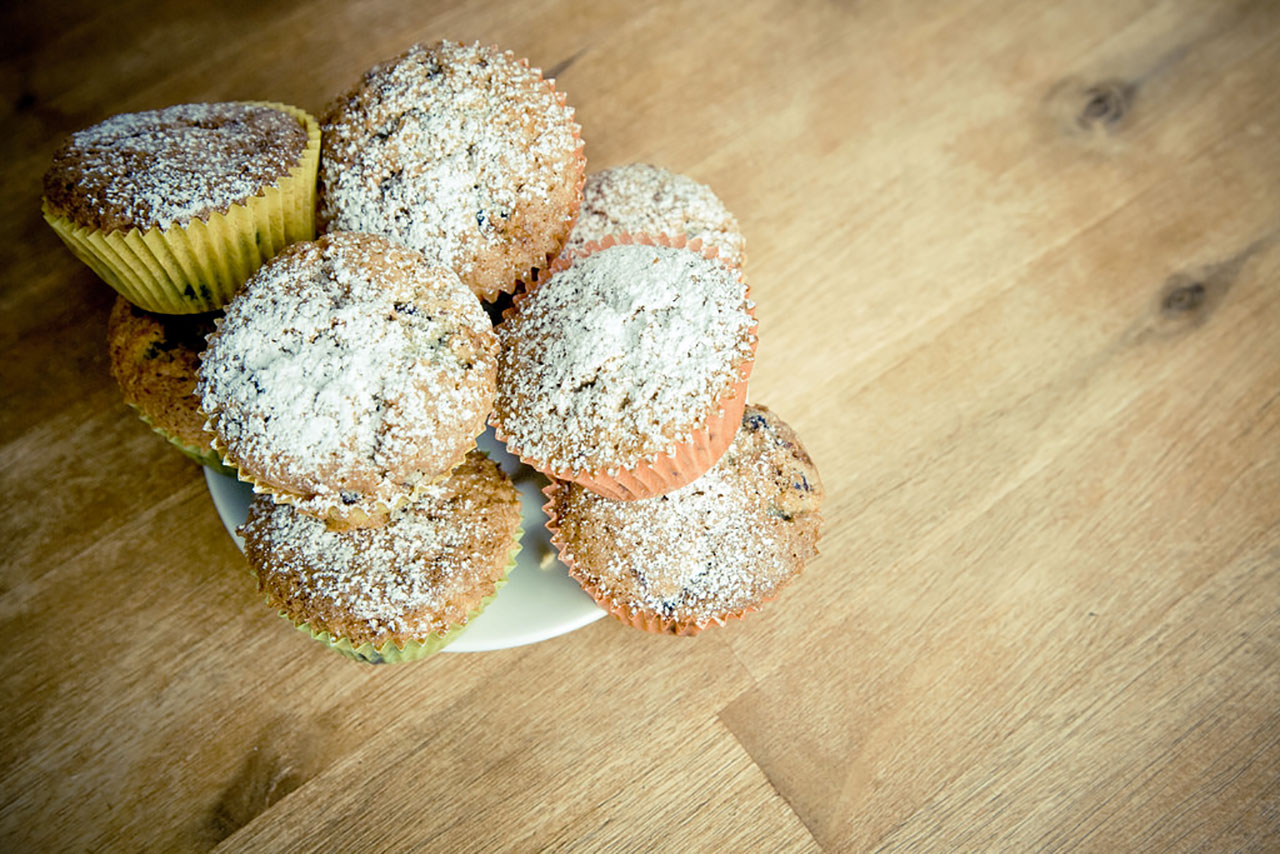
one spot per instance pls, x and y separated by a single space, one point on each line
1017 269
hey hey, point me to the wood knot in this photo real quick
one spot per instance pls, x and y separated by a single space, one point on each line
1089 110
1189 298
1105 104
289 752
1179 299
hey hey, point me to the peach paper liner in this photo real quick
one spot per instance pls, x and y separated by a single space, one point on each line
690 459
639 618
205 457
198 267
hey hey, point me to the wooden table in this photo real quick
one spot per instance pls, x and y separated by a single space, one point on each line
1018 276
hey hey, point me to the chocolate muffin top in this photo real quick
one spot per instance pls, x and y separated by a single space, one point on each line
620 356
348 373
154 358
640 198
460 151
714 548
422 573
161 168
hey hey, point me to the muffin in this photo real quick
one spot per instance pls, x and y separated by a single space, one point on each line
462 152
176 208
639 198
398 592
347 375
626 370
713 550
154 358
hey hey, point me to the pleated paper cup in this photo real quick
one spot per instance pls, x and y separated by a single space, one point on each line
198 267
205 456
412 649
390 652
689 459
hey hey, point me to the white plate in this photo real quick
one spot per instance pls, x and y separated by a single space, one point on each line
536 603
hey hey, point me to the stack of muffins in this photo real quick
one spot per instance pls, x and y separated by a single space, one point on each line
346 377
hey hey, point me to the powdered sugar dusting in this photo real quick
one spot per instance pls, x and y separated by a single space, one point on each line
640 198
166 167
348 372
419 574
708 549
620 356
440 148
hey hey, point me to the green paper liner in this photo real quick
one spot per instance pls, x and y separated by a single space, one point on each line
414 649
209 459
198 267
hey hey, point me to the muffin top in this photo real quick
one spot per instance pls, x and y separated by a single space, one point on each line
640 198
423 572
347 373
722 544
460 151
154 358
620 356
168 167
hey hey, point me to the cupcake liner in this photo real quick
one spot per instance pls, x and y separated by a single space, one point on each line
639 618
338 516
414 649
198 267
689 459
526 278
209 458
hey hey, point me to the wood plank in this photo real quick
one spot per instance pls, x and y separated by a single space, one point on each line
696 789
